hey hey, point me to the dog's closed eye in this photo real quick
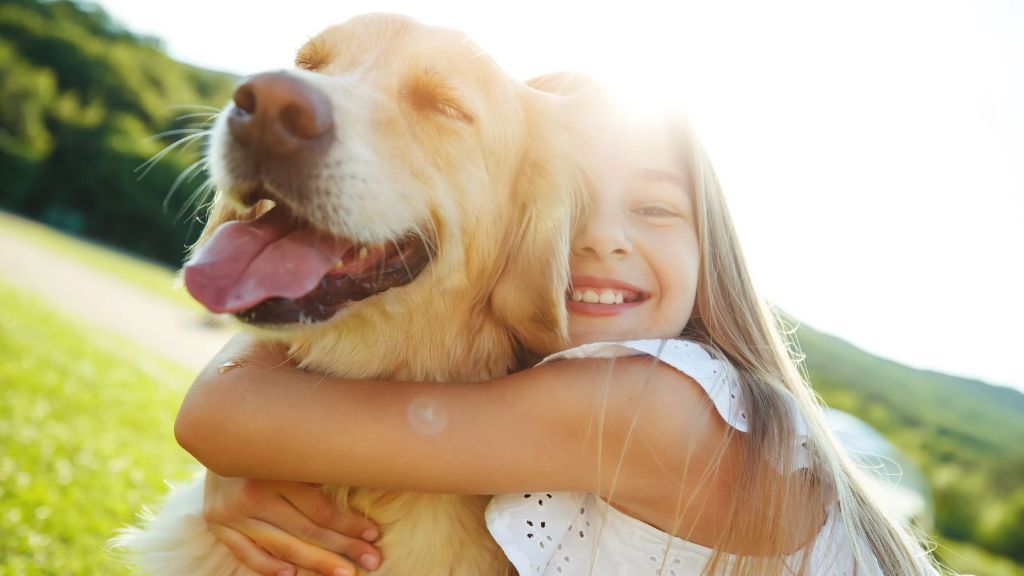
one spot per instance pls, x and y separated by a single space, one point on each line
430 93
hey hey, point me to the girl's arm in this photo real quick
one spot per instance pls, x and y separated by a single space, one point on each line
562 426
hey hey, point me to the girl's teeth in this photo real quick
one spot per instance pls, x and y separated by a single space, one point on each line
593 297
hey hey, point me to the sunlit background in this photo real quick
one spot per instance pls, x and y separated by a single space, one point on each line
872 151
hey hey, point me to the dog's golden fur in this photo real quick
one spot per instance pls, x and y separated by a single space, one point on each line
482 166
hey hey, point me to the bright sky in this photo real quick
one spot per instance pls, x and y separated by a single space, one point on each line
871 151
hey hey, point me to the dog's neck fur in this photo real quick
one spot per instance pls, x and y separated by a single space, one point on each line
457 342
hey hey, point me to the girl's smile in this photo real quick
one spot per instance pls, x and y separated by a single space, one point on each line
598 296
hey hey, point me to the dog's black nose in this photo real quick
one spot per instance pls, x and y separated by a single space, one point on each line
277 114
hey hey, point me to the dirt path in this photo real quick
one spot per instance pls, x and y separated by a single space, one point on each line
154 322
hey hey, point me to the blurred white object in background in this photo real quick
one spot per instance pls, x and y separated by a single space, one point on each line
895 481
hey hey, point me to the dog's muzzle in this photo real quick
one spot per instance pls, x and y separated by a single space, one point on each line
277 271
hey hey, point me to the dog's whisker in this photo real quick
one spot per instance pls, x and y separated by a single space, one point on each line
184 143
205 115
186 175
401 257
175 132
429 237
190 201
213 109
200 207
195 200
427 240
318 383
189 140
292 355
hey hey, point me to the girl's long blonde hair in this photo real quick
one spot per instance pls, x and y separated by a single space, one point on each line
732 320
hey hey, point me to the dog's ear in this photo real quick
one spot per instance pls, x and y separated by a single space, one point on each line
547 200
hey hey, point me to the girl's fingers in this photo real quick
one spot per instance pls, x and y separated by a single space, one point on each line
322 510
286 547
250 554
284 515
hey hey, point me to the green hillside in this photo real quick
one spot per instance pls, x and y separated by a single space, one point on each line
80 102
967 436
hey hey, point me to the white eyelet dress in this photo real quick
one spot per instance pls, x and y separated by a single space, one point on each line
578 534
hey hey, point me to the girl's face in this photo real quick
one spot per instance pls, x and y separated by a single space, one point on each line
634 259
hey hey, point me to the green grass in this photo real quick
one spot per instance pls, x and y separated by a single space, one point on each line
149 276
85 439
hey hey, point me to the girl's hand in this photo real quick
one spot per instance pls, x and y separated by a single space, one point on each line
275 527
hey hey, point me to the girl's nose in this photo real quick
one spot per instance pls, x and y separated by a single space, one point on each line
603 234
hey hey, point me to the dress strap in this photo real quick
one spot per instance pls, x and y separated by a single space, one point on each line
717 378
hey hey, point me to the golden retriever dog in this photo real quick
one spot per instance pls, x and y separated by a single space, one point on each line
393 207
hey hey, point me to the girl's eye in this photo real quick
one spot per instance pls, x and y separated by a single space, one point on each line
655 211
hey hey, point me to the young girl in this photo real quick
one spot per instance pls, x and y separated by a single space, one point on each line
675 437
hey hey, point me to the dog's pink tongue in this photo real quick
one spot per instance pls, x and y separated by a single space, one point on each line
245 263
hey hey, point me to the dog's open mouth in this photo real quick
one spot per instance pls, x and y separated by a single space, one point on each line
275 271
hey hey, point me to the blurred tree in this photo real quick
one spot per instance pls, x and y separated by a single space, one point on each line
82 103
956 512
26 91
1007 533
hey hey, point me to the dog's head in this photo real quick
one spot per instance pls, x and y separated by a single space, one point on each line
396 168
